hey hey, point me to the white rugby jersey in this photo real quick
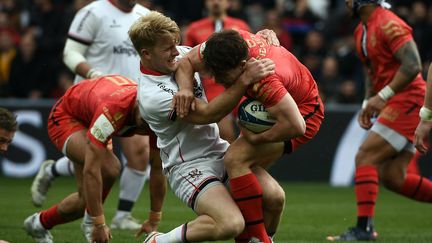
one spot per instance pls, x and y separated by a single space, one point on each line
103 28
177 140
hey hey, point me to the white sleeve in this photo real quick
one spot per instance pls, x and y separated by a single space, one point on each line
85 25
73 54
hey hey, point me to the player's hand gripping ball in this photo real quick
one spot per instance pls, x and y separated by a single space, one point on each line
254 116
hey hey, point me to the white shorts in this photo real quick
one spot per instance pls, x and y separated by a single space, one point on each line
395 139
190 179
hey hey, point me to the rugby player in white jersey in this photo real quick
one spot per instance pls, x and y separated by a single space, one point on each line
191 148
98 44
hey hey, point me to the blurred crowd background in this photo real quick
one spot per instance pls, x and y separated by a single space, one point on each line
318 32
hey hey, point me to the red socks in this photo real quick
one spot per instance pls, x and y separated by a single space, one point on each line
50 218
417 188
366 189
247 193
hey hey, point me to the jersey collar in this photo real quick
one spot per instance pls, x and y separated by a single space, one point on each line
150 72
375 14
118 7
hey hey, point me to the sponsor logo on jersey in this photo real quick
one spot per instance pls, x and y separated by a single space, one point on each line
165 88
102 128
114 24
198 89
81 24
125 48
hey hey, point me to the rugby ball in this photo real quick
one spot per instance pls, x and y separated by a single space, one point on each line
253 115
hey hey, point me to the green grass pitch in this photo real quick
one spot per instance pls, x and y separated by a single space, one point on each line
312 212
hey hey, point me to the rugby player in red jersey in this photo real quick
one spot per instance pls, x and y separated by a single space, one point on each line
81 125
290 95
199 31
394 94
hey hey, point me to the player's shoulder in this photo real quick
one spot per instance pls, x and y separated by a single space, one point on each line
199 23
140 9
95 8
183 50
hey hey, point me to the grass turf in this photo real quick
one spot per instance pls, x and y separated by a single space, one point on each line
312 212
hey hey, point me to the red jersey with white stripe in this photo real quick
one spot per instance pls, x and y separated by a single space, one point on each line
104 106
385 34
377 42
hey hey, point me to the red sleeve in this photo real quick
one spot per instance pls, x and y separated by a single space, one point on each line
103 126
269 91
395 33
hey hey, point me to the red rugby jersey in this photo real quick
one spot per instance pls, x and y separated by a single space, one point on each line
104 105
385 34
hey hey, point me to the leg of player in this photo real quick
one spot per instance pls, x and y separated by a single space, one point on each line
413 167
48 171
136 150
218 219
245 188
410 185
273 200
227 129
72 207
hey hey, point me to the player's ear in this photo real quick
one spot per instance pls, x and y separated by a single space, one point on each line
145 53
243 64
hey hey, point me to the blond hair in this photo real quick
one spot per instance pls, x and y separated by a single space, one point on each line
145 31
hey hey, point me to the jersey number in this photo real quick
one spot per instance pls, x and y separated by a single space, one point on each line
120 81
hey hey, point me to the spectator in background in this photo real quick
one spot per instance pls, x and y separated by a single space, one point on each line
314 52
329 80
49 26
28 75
273 21
298 20
6 25
198 32
7 54
8 127
422 27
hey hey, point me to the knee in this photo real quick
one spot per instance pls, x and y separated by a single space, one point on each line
111 170
392 178
229 227
275 201
362 157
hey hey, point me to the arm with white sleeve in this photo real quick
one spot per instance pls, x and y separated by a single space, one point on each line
73 57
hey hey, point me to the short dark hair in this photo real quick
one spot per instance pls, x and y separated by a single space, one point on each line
8 120
224 51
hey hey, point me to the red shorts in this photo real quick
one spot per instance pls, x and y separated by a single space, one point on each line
313 114
213 89
62 125
401 114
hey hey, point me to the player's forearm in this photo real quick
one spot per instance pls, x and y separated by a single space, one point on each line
185 74
92 180
428 96
223 104
93 192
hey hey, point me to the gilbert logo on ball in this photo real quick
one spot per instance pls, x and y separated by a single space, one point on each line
253 115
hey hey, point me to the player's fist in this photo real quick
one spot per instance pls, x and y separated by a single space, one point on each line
101 234
147 227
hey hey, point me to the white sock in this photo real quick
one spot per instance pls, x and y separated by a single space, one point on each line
131 183
38 223
174 236
64 167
